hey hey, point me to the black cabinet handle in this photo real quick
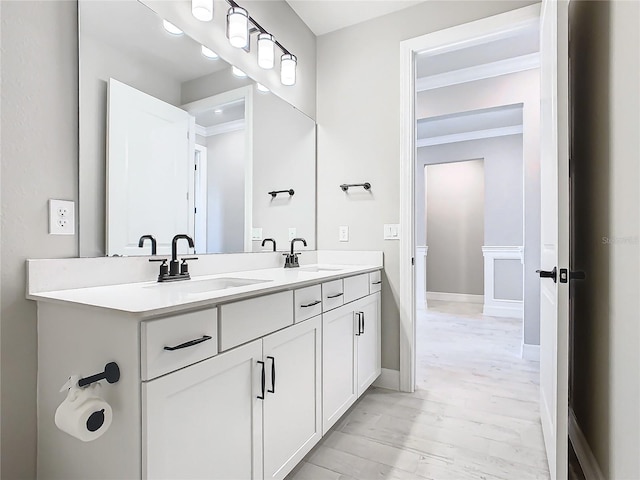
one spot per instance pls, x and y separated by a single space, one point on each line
553 274
273 375
310 304
190 343
261 397
376 283
363 318
359 323
336 295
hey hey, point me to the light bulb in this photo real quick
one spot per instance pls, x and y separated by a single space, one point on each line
261 87
202 9
237 72
171 28
266 50
288 69
207 52
238 27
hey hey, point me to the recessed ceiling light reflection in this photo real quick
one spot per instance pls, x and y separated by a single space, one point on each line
261 87
238 73
207 52
171 28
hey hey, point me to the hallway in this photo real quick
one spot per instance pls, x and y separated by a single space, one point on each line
474 414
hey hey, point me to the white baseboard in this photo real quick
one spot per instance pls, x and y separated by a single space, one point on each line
531 352
455 297
510 311
389 379
588 462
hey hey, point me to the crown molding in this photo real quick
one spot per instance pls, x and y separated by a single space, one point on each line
226 127
479 72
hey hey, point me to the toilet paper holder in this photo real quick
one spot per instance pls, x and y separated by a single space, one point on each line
111 374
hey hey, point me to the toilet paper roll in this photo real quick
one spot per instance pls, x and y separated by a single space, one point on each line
84 415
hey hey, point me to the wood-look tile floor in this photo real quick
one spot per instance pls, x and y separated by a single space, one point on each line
474 414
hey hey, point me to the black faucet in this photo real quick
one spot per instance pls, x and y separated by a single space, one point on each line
269 240
291 260
153 243
174 265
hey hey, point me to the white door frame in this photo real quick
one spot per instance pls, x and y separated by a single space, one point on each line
461 36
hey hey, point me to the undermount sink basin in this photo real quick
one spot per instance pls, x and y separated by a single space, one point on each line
208 285
318 268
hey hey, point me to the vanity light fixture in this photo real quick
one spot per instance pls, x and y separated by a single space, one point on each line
262 88
288 64
207 52
202 9
171 28
237 72
238 27
266 50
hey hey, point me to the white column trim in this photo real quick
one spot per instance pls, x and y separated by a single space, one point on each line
473 33
421 276
498 307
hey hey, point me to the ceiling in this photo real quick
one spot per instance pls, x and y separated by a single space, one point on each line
324 16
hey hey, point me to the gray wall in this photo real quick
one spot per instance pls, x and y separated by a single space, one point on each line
517 88
225 192
99 62
39 98
455 196
358 107
605 360
283 159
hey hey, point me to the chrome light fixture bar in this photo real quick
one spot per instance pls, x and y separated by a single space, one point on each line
240 26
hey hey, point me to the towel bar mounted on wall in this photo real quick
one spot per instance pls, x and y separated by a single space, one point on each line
345 186
273 193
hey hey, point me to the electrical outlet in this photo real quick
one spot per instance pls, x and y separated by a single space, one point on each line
343 233
62 217
292 233
256 234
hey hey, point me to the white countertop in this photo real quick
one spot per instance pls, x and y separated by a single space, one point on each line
146 299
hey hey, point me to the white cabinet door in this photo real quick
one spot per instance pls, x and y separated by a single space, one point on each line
338 364
205 421
367 313
292 409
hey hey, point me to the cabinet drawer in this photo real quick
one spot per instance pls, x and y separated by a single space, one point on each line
243 321
191 337
332 295
308 302
375 281
356 287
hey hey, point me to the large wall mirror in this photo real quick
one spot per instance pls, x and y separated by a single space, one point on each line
173 141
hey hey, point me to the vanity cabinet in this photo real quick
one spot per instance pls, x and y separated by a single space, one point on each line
351 355
214 420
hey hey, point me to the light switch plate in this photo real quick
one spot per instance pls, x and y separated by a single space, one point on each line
292 233
392 231
256 234
343 233
62 217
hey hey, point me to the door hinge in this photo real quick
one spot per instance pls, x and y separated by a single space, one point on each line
195 210
413 261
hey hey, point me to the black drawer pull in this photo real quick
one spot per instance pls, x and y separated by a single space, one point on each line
261 397
376 283
359 317
362 313
336 295
190 343
310 304
273 375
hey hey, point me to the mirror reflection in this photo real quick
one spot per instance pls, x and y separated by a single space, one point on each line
172 141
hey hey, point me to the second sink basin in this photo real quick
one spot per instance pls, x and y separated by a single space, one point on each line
209 285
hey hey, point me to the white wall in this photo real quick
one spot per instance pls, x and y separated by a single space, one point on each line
358 110
39 123
517 88
606 175
455 213
99 62
225 192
